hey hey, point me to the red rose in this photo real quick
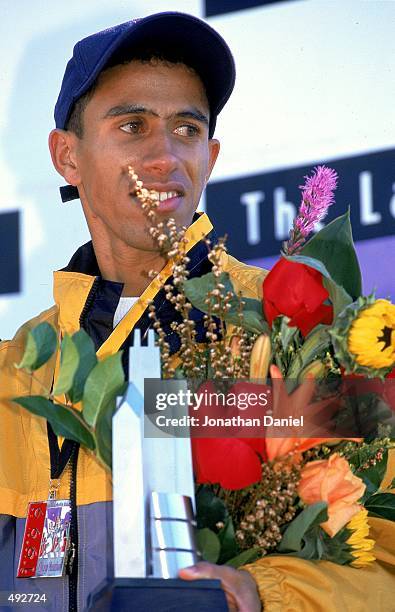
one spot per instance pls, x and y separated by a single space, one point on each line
296 290
234 463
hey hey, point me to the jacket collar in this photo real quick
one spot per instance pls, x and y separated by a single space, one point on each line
74 285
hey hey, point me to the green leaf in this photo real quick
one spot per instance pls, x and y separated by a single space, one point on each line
311 516
315 344
197 289
288 334
253 319
69 361
40 346
286 342
336 548
247 556
210 510
310 546
318 545
337 295
65 422
29 358
381 505
227 538
208 544
87 361
333 246
103 384
103 433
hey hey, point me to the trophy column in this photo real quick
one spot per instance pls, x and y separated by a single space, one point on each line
153 502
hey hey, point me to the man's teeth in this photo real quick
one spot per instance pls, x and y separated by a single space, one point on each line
163 195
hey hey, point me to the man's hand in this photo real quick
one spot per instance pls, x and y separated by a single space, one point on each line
239 586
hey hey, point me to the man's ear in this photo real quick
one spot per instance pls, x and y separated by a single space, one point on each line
62 145
213 150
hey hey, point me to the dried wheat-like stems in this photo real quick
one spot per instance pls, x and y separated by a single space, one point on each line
221 360
218 305
172 244
260 511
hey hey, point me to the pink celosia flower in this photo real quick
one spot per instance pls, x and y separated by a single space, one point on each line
317 196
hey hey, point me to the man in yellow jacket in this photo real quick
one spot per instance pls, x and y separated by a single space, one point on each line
144 94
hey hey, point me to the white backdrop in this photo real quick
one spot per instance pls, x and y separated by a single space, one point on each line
315 80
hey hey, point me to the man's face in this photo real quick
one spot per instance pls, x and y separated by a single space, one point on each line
155 119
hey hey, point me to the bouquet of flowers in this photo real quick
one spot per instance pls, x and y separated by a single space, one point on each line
310 496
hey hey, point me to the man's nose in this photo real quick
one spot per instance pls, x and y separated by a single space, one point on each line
160 156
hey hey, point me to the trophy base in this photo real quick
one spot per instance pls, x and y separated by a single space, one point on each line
158 595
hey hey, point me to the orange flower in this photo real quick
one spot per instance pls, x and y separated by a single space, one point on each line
278 447
332 481
295 404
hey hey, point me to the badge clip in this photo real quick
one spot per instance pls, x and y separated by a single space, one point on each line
46 539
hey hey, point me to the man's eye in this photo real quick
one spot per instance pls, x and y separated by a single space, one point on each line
187 130
132 127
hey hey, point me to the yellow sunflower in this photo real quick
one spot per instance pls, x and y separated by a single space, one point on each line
361 546
371 338
363 337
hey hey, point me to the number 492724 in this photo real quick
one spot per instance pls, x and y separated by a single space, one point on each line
21 598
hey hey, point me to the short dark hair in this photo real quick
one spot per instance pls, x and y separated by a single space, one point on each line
75 122
145 55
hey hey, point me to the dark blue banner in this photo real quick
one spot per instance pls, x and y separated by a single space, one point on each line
9 253
218 7
256 211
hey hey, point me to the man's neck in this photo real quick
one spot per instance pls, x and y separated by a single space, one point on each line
120 262
127 265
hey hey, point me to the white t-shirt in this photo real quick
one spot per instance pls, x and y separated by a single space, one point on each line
124 305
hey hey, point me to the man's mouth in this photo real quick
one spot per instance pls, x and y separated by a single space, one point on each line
161 196
167 200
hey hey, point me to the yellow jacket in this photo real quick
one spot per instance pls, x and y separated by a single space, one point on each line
288 584
20 484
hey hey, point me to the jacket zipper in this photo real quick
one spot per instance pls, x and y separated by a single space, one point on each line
67 456
72 563
89 301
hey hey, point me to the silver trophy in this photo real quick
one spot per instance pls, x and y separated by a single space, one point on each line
153 490
154 507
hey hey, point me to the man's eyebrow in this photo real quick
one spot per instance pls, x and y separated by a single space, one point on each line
193 114
129 109
132 109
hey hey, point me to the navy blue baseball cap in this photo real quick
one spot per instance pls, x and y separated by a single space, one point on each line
172 33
